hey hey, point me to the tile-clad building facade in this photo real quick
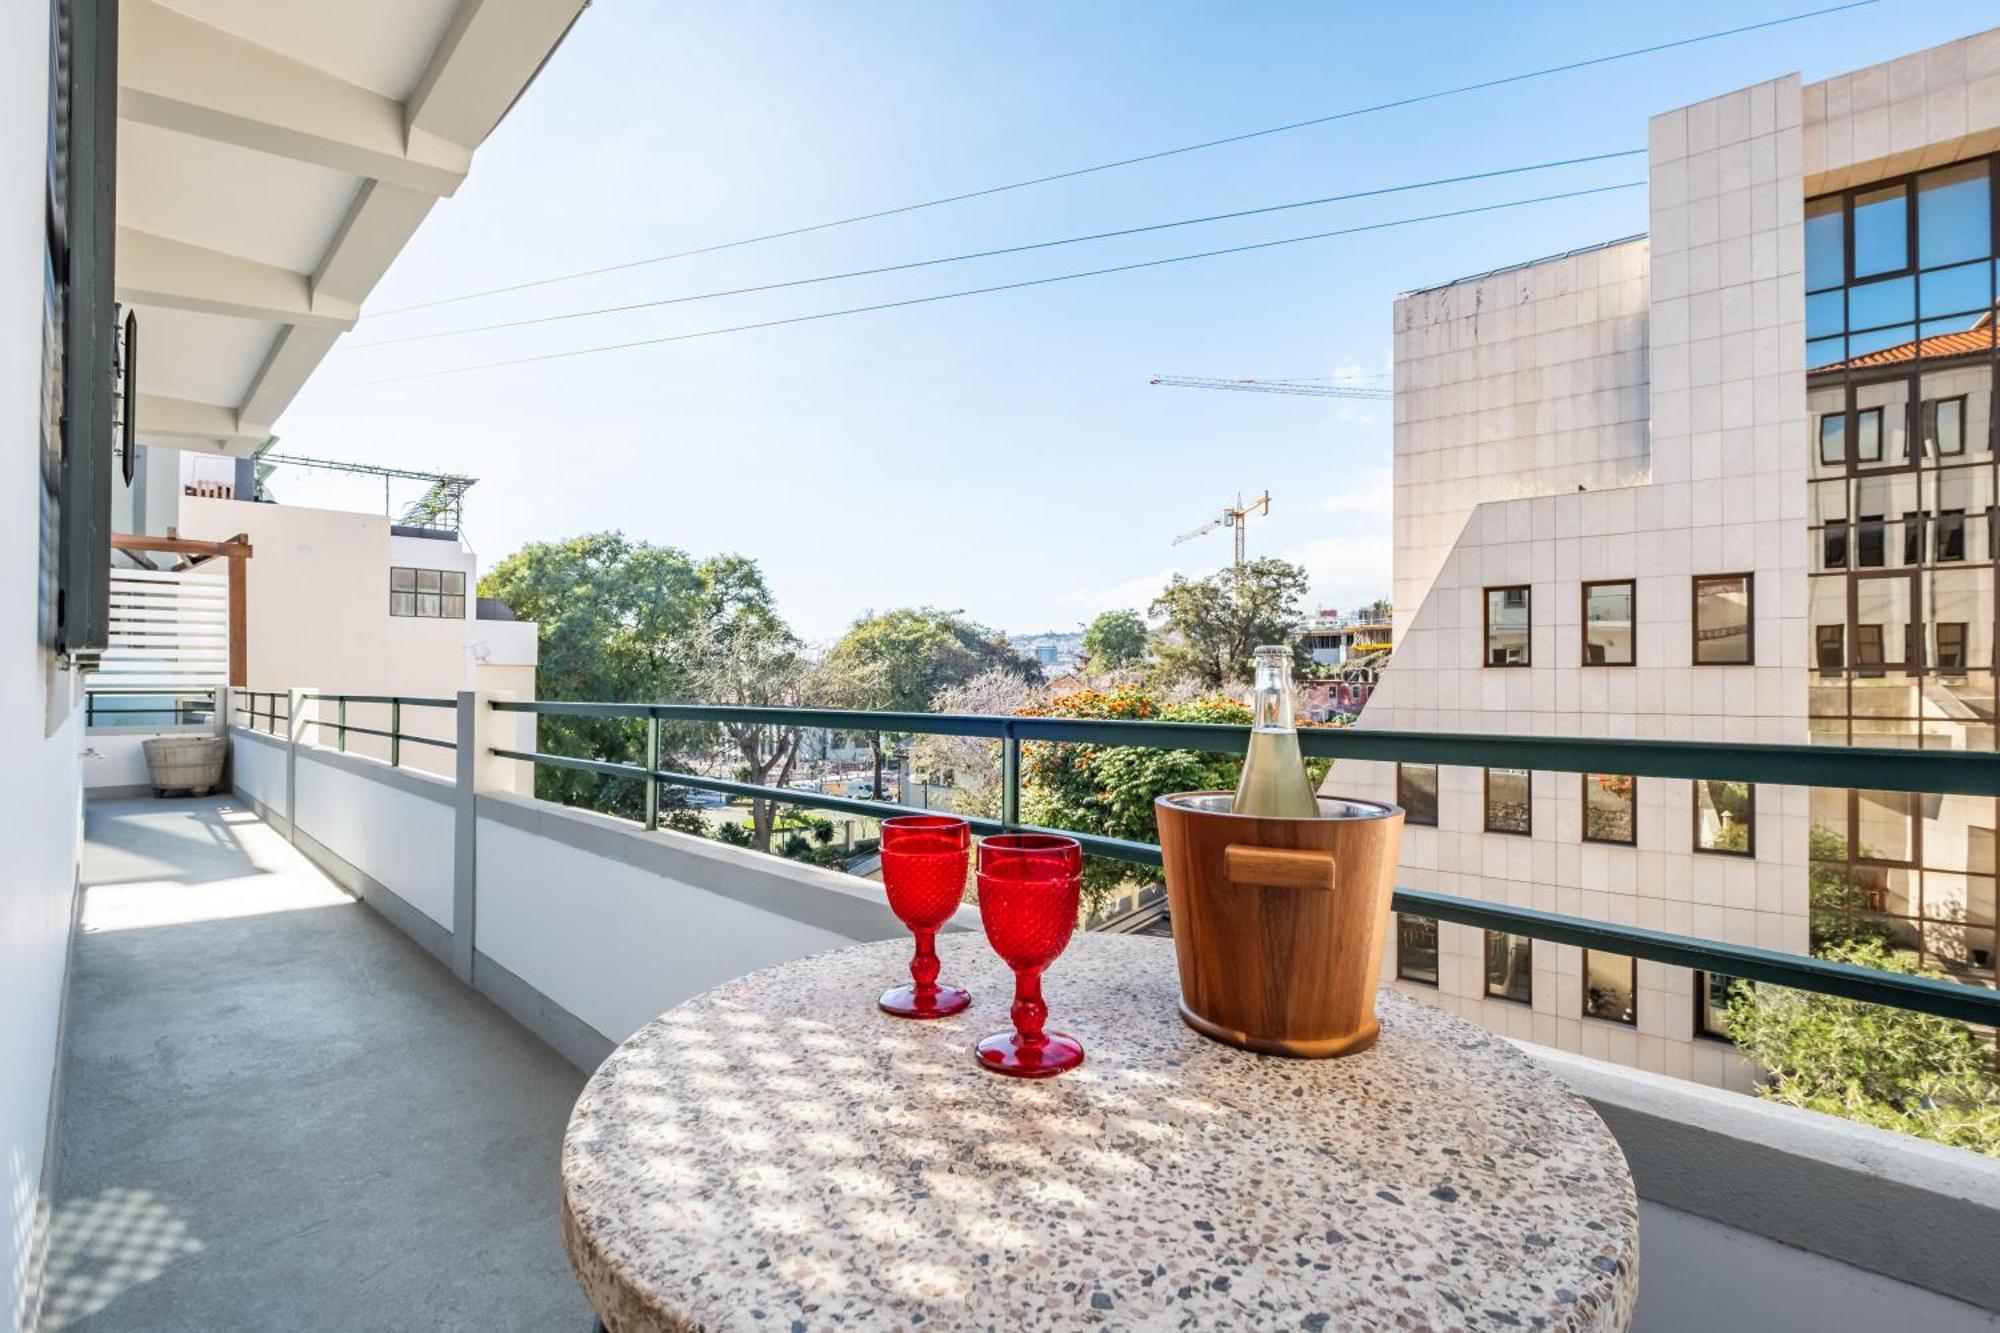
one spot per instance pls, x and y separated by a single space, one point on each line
1717 482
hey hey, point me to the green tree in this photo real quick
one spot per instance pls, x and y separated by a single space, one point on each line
1115 639
901 659
1837 896
1213 624
626 621
1886 1067
1110 790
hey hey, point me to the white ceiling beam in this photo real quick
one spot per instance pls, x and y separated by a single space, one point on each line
489 55
181 74
182 423
160 271
294 355
379 223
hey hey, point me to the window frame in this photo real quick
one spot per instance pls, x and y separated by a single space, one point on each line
1749 852
1486 968
1702 1030
1927 417
1583 620
1584 828
1527 591
1584 989
1437 771
1486 803
417 594
1695 583
1437 950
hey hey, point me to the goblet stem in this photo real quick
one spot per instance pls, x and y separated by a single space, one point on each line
924 967
1029 1012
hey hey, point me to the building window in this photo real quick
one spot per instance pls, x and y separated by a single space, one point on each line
1722 619
1833 438
1833 553
1913 538
1509 808
1725 817
1510 967
1417 793
1951 645
1830 646
1870 543
1611 808
1881 231
1944 426
431 594
1950 541
1609 628
1507 627
1417 948
1711 1004
1868 645
1868 435
1610 990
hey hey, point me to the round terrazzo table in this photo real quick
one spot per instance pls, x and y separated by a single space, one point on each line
779 1155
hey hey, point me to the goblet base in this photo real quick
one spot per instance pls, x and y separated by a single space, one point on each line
1004 1053
903 1001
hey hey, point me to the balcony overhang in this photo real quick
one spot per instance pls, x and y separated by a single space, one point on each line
274 160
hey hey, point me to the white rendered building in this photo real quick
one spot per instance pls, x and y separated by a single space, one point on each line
1732 481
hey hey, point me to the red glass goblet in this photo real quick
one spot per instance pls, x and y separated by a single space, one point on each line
924 859
1028 890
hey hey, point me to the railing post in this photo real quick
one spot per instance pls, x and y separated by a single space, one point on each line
395 733
1010 778
652 772
340 716
296 722
465 834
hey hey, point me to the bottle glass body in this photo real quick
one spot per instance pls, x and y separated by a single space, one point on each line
1274 782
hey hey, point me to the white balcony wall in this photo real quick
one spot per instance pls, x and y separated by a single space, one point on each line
39 729
259 768
614 942
393 826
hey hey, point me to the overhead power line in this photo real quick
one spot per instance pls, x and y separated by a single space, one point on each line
1348 114
985 291
990 254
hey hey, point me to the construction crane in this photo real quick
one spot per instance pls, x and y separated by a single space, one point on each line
1312 388
1235 518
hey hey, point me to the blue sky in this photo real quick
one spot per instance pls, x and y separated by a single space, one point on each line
1004 454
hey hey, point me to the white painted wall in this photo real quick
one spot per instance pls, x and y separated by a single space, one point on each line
259 768
611 942
39 788
317 616
396 838
115 758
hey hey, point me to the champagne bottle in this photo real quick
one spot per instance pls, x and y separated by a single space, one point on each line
1274 782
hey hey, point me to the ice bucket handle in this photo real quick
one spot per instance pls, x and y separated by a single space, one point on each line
1278 868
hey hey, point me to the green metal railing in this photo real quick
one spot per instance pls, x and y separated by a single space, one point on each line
255 706
1936 772
111 708
393 733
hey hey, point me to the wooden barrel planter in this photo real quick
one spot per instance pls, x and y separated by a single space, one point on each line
1279 923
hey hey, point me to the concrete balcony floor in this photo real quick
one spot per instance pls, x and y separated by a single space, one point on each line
278 1112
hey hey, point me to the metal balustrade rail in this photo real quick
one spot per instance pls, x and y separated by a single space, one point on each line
244 703
394 733
1934 772
109 708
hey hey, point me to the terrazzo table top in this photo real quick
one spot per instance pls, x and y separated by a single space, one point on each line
778 1155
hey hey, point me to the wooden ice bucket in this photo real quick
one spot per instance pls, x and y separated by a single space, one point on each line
1278 923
